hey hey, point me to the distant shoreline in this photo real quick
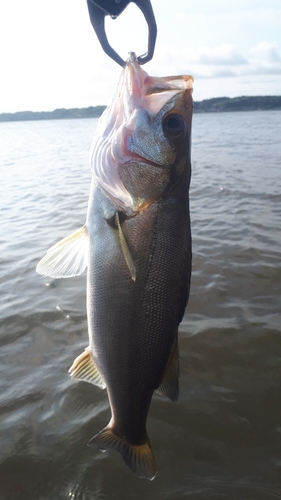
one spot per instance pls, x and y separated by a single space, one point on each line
215 105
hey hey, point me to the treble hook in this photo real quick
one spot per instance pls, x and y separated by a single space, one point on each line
98 9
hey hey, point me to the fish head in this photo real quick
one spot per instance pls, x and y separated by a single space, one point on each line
143 139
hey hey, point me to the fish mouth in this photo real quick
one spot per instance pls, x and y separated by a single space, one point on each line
135 158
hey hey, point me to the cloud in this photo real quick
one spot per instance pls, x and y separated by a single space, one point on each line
266 53
224 61
263 59
226 54
221 55
204 62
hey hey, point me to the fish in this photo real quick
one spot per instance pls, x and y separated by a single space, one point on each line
136 246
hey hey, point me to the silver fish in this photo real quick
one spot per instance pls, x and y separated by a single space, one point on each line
136 244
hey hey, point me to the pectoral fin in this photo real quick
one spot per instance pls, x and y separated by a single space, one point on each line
125 249
68 257
170 383
84 368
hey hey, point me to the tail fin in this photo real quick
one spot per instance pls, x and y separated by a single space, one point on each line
139 458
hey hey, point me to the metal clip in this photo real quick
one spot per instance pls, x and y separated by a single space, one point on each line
98 9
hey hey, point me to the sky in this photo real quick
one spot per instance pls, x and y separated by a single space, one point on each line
50 57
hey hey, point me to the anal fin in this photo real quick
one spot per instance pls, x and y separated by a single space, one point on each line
170 383
84 368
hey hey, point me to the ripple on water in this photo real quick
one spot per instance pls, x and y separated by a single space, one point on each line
222 439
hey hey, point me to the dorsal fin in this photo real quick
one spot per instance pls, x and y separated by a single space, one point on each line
68 257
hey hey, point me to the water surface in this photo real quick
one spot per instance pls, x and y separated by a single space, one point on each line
222 440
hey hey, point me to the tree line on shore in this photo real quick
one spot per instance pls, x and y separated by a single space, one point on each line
215 105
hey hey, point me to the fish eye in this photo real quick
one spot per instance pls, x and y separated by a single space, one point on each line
173 125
